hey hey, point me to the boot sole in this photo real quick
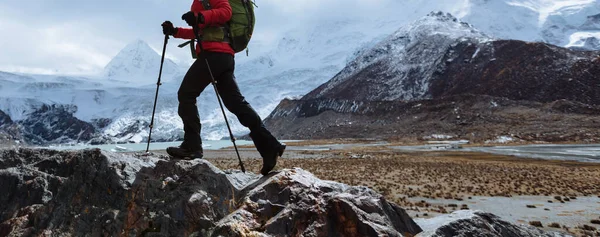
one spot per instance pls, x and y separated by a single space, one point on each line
184 157
179 157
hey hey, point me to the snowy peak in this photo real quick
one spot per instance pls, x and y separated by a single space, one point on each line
411 52
138 63
440 23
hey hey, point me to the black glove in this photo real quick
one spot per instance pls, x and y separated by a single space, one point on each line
168 28
191 19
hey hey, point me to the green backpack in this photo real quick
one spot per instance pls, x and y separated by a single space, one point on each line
238 31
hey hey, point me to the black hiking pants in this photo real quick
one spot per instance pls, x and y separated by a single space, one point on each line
197 79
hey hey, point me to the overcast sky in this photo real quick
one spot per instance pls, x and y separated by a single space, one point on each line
81 36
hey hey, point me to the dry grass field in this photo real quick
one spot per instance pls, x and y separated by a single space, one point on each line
412 180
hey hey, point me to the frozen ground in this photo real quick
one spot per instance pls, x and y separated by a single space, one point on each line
577 152
586 153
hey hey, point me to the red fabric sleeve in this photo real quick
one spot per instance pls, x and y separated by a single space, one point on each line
218 15
185 33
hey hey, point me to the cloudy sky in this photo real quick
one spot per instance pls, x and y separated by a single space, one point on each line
81 36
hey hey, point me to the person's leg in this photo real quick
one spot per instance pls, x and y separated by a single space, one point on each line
194 82
266 144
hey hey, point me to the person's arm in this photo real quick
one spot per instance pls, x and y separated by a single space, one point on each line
184 33
218 15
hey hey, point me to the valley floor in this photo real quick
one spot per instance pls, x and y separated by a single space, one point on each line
429 184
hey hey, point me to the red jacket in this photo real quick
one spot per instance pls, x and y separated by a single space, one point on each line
217 16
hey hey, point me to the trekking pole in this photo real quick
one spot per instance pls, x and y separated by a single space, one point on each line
214 83
162 61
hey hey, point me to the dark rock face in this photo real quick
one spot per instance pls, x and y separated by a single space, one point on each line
55 124
101 122
475 223
105 194
9 130
519 71
4 119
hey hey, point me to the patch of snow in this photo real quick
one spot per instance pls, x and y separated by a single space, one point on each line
438 136
585 40
501 139
476 53
494 104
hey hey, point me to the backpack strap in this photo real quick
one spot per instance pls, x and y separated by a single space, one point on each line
192 48
225 28
211 33
206 4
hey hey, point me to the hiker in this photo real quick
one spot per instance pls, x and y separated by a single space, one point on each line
219 54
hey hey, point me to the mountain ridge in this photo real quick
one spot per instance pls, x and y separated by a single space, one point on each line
458 92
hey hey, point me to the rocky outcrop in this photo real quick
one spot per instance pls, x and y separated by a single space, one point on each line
476 223
55 124
295 203
78 193
9 130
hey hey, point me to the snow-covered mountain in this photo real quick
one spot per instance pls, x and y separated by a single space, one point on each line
567 23
403 59
439 75
119 103
439 56
137 63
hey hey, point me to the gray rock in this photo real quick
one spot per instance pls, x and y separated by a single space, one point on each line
477 224
95 193
296 203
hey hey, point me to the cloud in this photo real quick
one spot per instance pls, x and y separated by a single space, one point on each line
80 37
75 37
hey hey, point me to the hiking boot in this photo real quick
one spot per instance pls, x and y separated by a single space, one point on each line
270 160
182 152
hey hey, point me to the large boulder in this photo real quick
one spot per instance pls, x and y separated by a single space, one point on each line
468 223
296 203
97 193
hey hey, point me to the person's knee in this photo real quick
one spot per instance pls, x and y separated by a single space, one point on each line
235 103
185 97
187 110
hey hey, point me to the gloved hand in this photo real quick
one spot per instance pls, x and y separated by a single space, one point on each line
191 19
168 28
